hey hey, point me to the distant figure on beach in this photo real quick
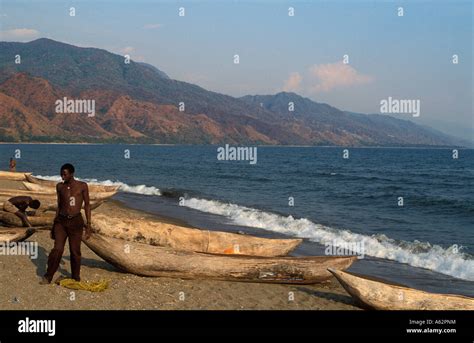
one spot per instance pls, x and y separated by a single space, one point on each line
18 206
68 223
12 164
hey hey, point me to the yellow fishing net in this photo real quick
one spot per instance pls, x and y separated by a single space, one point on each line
92 286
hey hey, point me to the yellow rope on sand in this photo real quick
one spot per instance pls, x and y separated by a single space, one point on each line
92 286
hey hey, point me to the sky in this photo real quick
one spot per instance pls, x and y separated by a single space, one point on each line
407 57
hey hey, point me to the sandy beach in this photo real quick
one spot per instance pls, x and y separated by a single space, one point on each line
20 289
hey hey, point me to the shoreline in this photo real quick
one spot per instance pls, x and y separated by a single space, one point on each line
131 292
441 147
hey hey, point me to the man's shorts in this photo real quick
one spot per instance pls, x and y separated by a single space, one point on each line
9 207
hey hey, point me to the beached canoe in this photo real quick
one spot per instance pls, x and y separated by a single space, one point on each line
34 187
16 176
15 234
52 204
52 190
381 295
10 219
6 194
9 193
148 260
183 238
92 186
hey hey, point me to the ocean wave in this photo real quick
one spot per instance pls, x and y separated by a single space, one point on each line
138 189
450 261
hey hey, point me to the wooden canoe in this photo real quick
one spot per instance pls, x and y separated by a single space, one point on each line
92 186
52 190
9 193
148 260
10 219
15 234
183 238
52 204
381 295
16 176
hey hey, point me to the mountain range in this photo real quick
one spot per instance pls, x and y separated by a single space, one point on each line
139 103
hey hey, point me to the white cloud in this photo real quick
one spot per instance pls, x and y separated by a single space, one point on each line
19 34
326 77
152 26
293 83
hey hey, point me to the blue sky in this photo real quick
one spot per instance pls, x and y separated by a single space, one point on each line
407 57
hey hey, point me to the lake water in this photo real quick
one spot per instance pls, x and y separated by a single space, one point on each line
413 209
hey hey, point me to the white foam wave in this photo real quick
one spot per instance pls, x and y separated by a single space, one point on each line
450 261
138 189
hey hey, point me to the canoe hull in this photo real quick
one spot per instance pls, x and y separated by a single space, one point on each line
15 234
148 260
15 176
52 184
384 296
10 219
188 239
33 187
9 193
51 204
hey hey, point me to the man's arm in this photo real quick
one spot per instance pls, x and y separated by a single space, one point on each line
87 208
24 218
58 197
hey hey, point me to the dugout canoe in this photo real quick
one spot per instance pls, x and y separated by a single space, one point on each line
16 176
52 190
92 186
33 187
10 219
52 204
380 295
148 260
43 195
15 234
188 239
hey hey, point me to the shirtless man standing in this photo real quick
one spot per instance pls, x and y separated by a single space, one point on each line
68 223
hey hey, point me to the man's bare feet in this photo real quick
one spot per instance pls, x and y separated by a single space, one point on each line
44 281
59 279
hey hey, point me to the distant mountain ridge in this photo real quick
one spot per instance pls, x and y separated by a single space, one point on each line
325 120
139 103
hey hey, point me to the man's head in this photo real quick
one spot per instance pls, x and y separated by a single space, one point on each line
35 204
67 172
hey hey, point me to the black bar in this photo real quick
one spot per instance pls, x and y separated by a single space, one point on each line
79 324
